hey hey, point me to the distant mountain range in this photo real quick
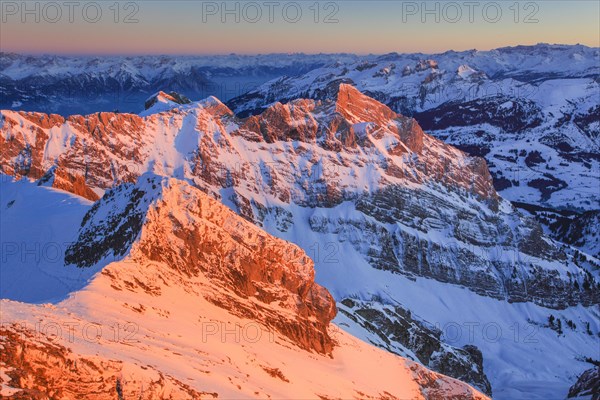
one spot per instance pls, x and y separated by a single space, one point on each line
81 85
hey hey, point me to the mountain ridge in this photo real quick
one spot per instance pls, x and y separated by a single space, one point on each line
379 213
513 103
156 212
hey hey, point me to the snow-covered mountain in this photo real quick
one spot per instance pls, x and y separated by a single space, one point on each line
188 301
162 101
533 112
404 229
84 84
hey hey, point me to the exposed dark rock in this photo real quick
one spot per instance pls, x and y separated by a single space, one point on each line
109 228
510 114
397 330
588 384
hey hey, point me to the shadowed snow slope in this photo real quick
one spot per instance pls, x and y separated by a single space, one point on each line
36 226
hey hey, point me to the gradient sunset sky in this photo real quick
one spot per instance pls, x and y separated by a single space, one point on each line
196 27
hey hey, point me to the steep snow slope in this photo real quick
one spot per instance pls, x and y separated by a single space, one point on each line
199 303
372 199
37 225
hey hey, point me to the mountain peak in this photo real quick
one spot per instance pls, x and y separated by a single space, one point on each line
161 96
357 107
215 107
162 101
243 269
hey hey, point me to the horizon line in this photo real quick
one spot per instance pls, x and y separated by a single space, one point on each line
229 54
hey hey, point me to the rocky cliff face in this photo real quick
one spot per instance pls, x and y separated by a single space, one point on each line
58 178
36 368
167 221
394 329
100 147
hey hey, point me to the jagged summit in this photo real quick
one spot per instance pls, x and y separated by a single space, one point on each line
167 221
357 107
354 120
162 101
162 97
215 107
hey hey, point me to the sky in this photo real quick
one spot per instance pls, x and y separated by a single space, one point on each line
251 27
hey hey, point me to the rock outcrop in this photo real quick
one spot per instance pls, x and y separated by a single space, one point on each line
57 178
588 384
395 329
172 97
35 368
168 221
